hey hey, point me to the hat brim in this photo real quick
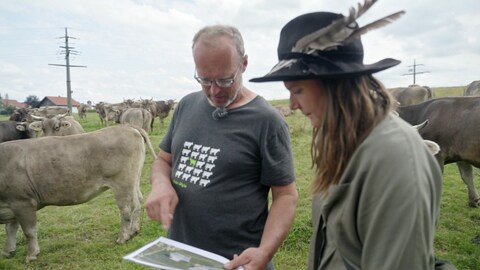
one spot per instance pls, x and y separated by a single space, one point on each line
298 71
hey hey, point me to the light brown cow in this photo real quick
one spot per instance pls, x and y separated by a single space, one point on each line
58 125
50 111
100 112
473 89
108 112
412 94
39 172
148 104
137 117
82 110
284 109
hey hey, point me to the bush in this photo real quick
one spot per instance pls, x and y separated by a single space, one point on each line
7 110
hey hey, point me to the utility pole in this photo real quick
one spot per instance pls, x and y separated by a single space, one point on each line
414 70
68 50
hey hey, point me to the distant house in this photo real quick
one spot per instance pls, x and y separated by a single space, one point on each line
13 103
58 101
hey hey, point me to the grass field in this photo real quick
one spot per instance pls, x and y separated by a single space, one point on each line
83 236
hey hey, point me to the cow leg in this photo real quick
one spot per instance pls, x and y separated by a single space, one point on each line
466 172
26 215
129 204
11 243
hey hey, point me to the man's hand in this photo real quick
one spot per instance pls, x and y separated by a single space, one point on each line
161 204
162 200
250 259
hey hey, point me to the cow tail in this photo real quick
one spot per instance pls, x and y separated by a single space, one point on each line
147 141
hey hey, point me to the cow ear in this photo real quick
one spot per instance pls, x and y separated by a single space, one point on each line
65 124
37 125
20 127
432 146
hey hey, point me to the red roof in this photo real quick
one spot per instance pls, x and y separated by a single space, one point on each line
61 101
13 102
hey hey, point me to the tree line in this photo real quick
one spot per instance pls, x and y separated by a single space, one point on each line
6 109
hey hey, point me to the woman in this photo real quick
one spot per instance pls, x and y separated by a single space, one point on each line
377 188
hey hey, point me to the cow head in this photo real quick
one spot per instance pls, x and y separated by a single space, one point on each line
24 128
171 104
50 126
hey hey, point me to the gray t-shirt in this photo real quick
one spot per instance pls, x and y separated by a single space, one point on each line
222 171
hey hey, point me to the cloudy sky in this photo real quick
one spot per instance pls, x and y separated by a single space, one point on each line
142 48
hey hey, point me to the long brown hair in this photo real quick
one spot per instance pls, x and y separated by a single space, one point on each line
353 107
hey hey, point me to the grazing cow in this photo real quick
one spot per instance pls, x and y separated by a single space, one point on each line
12 130
112 113
50 111
473 89
100 111
45 171
58 125
454 123
284 109
82 110
149 105
137 117
163 108
109 112
412 94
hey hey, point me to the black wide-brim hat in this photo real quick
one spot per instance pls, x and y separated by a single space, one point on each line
333 54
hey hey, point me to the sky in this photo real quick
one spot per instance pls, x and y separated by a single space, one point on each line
141 49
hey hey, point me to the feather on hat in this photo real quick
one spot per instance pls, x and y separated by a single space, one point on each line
326 45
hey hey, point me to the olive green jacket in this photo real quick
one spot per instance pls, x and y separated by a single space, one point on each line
382 214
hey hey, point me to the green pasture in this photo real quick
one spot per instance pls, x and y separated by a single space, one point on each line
83 236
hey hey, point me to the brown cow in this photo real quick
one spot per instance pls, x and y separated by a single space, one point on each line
163 108
20 115
45 171
13 130
454 123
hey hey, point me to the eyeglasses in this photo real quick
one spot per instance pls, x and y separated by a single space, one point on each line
227 82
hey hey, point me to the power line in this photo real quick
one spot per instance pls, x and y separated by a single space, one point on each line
414 71
68 51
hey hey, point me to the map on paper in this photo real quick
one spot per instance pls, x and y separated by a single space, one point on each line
164 253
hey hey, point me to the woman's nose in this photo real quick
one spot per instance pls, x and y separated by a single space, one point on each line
293 103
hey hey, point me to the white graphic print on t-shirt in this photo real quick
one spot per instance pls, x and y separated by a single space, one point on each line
196 164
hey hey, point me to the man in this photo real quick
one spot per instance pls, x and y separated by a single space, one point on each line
225 149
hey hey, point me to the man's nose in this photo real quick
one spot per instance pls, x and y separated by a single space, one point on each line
214 88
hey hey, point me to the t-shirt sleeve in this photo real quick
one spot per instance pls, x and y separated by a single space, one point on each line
277 160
